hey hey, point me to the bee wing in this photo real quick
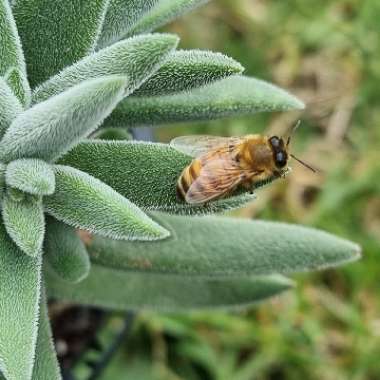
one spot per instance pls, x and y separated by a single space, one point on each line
216 179
197 145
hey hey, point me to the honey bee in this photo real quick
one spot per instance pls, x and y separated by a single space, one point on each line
223 164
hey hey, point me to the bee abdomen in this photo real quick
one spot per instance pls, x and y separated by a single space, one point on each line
188 176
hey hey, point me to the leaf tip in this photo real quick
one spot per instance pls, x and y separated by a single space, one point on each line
157 232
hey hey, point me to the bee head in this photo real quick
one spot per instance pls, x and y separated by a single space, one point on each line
279 150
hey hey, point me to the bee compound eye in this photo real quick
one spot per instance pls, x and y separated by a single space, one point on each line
275 142
281 159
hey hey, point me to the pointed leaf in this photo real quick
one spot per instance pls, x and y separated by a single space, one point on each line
185 70
164 12
10 107
20 280
120 18
46 363
31 176
11 55
19 84
25 223
233 96
65 252
217 246
144 173
55 34
85 202
72 115
136 58
115 289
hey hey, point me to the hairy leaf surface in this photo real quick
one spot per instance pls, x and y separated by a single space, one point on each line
233 96
217 246
3 169
188 69
85 202
20 278
144 173
25 223
11 55
10 107
119 290
164 12
65 252
137 58
31 176
46 363
121 16
53 127
55 34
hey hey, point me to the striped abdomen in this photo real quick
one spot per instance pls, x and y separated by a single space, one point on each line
188 176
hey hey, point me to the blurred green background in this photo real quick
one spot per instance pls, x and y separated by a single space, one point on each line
327 53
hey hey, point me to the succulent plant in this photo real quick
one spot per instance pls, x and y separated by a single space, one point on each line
69 69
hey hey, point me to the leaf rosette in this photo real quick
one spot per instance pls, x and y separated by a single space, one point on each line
96 80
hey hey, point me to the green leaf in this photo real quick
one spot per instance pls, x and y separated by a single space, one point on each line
73 115
46 363
120 18
11 55
233 96
20 278
55 34
185 70
10 107
144 173
25 223
84 202
164 12
65 252
3 169
31 176
217 246
112 134
115 289
136 58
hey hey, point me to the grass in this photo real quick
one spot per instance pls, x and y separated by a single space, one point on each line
328 54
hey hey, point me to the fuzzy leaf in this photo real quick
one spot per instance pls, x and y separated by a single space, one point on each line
10 107
217 246
53 127
84 202
65 252
115 289
25 223
137 58
185 70
46 363
20 278
164 12
11 54
236 95
3 169
112 134
144 173
55 34
120 18
31 176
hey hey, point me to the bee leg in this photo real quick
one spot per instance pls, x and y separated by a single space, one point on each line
247 186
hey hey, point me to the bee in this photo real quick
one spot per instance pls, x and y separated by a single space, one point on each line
223 164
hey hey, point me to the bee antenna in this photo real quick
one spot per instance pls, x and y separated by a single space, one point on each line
292 132
304 164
